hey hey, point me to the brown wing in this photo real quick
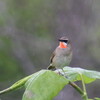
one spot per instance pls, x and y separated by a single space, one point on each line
52 56
51 60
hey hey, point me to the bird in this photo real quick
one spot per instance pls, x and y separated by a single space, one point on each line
62 55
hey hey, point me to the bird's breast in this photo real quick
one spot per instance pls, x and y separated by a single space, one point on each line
61 60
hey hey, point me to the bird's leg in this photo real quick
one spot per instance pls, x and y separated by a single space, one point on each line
59 72
63 72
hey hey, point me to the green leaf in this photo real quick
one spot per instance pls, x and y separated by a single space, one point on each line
97 99
16 85
74 74
44 85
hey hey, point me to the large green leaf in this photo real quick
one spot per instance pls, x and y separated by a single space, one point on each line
44 85
75 74
96 98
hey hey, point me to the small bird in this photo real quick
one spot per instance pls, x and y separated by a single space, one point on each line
62 55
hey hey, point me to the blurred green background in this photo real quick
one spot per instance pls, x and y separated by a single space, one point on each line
29 30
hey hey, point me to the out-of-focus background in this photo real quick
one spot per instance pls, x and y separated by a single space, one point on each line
29 30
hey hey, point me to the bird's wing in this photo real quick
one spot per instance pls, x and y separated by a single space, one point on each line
52 56
51 67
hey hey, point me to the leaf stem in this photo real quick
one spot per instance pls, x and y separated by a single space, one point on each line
83 93
76 87
85 97
83 84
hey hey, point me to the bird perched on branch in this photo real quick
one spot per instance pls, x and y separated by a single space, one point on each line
62 55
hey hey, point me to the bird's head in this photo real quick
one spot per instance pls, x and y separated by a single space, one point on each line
63 42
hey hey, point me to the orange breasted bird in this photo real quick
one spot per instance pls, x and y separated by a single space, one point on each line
62 55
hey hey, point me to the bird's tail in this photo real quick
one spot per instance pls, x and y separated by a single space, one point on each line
50 67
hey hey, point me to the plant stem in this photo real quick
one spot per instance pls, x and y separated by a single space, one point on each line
85 97
82 92
76 87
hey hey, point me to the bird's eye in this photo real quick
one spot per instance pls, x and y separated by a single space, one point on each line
66 41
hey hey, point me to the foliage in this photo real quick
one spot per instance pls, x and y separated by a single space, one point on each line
45 84
74 74
30 27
